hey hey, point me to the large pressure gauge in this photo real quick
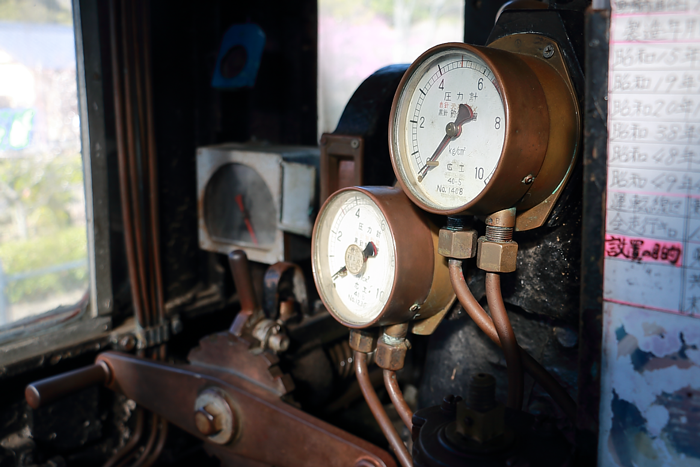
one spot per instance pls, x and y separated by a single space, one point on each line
470 127
375 260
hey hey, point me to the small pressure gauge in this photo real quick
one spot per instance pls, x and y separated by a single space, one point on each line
257 198
469 129
374 259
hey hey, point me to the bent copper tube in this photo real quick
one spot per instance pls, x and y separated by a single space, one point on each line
152 162
161 444
508 340
537 371
378 411
135 198
128 447
155 430
396 396
124 169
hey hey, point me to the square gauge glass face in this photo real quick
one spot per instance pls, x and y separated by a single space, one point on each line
354 261
239 208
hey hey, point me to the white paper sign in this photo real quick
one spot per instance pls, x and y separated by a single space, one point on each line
652 254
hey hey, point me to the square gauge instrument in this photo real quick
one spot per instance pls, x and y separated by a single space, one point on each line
261 199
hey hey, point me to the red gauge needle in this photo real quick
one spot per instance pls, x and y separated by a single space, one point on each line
246 218
452 131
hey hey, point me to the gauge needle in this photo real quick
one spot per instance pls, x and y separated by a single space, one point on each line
246 218
452 131
370 251
342 272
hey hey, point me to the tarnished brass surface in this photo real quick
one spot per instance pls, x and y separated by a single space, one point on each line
421 286
460 244
526 138
496 256
565 126
391 353
363 340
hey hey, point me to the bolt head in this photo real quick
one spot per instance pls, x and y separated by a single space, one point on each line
528 179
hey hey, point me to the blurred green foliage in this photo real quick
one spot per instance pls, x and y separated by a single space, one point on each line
43 188
65 246
36 11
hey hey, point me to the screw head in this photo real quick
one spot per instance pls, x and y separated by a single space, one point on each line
528 179
548 51
355 143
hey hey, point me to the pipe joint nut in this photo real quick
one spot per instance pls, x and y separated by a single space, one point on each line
460 244
391 355
363 340
496 256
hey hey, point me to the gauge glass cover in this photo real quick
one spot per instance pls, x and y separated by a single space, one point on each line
354 257
238 207
449 129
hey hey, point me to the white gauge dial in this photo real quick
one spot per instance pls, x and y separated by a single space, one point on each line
449 129
354 257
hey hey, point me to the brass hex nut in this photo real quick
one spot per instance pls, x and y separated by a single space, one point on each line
391 356
460 244
363 340
496 256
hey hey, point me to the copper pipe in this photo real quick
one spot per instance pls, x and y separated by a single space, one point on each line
128 447
152 164
133 168
508 340
477 313
160 445
123 170
378 411
396 396
135 43
155 429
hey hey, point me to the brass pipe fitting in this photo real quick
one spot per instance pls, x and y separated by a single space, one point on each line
392 347
456 240
497 252
363 340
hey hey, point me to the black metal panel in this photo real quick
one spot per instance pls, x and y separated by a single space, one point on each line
595 178
479 17
367 114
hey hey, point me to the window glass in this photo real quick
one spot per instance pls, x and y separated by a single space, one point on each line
356 38
43 240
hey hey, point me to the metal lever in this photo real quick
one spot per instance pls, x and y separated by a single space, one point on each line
49 390
240 270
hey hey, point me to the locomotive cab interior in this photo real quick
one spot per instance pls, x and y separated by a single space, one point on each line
336 233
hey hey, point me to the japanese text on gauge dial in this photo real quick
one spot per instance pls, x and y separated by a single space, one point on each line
449 128
354 260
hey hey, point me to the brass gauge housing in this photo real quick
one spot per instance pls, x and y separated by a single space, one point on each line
375 261
475 130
